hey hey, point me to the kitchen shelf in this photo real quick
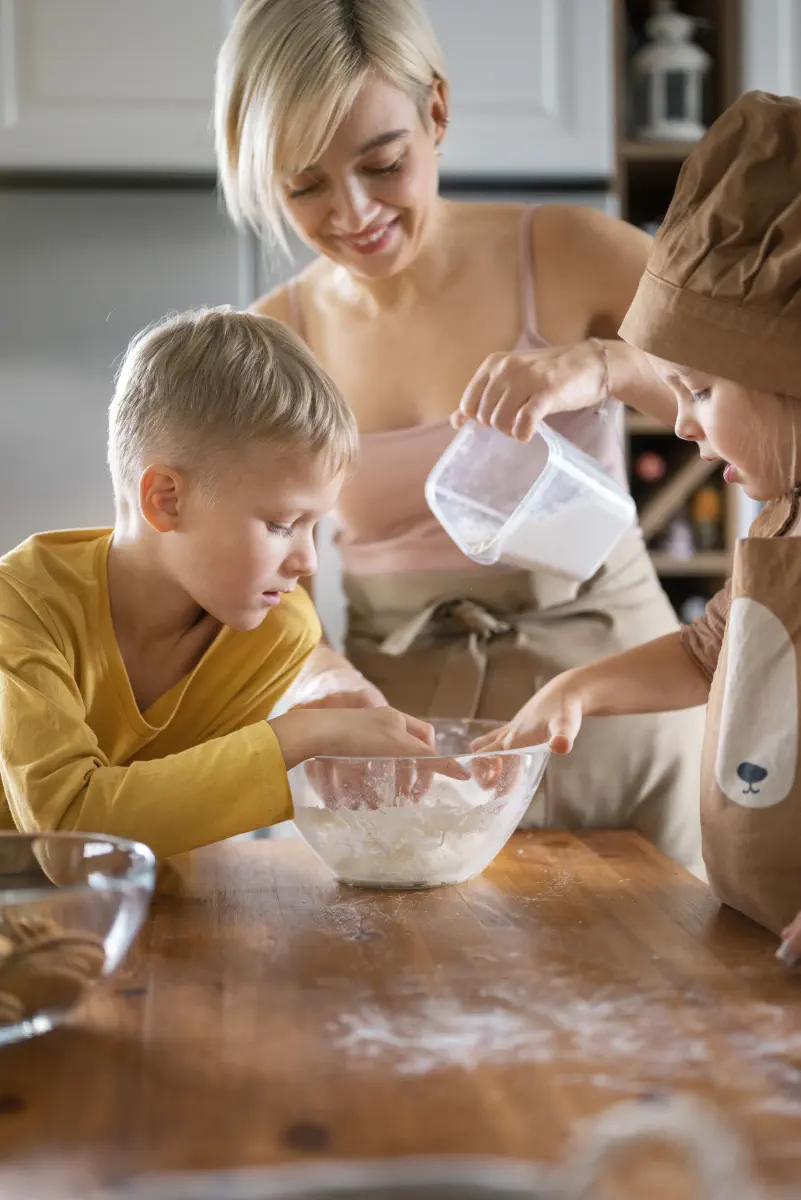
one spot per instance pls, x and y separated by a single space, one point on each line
645 180
710 563
674 494
651 152
640 423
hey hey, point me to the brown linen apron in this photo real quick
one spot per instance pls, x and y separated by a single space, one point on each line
750 788
479 645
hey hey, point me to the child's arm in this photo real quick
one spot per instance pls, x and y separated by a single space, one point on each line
328 680
659 676
55 776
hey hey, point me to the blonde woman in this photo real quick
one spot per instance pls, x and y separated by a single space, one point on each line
330 118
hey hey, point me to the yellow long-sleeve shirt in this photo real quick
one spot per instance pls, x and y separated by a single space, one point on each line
201 764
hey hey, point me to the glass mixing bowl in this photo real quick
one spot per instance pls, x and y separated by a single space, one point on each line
400 823
71 904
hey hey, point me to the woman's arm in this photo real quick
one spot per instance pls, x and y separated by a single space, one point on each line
599 261
588 265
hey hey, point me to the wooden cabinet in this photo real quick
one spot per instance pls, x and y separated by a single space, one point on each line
532 87
691 562
116 85
111 85
771 57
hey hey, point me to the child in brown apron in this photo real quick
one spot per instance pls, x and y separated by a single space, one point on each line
718 312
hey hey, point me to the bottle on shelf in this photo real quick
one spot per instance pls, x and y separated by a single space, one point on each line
707 519
677 541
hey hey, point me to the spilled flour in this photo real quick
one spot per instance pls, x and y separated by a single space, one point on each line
618 1039
438 1033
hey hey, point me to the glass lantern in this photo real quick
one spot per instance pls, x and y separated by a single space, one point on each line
670 71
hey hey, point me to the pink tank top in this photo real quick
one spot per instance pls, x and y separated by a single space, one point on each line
384 525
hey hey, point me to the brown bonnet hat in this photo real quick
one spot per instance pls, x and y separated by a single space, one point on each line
722 289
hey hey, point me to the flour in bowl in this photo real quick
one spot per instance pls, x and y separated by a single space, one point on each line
450 836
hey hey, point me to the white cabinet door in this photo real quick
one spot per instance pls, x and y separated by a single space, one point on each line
109 84
532 85
771 40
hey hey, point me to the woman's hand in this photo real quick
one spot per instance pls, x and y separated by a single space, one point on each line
513 391
553 715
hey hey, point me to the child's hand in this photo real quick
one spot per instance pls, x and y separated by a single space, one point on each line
790 950
333 734
496 773
553 715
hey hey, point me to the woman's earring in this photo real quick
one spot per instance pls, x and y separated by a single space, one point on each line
444 123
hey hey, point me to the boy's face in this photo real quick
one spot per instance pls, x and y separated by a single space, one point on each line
237 551
755 433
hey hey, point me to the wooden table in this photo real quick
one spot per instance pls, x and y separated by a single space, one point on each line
267 1015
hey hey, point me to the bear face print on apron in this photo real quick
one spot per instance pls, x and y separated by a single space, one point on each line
750 784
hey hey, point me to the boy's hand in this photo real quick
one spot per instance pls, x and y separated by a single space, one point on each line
553 715
363 733
512 392
376 733
361 785
790 950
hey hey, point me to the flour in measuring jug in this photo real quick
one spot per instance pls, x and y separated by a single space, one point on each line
566 542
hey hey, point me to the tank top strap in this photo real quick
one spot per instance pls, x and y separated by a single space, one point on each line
296 308
528 297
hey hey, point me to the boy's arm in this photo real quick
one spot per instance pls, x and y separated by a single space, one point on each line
659 676
55 775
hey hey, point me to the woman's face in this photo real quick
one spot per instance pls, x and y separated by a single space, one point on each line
367 201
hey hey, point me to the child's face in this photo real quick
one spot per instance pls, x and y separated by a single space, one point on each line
755 433
235 552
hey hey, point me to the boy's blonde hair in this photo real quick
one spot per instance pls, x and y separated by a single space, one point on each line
210 381
287 75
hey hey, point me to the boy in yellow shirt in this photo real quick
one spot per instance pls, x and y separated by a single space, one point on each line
139 665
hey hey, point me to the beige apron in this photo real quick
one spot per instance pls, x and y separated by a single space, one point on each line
480 644
750 788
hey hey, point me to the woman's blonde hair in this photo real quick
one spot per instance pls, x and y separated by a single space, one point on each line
209 382
287 75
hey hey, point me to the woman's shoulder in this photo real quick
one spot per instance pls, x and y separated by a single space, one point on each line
284 302
588 263
578 228
470 218
558 231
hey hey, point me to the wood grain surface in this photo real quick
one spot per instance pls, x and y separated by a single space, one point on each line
268 1015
